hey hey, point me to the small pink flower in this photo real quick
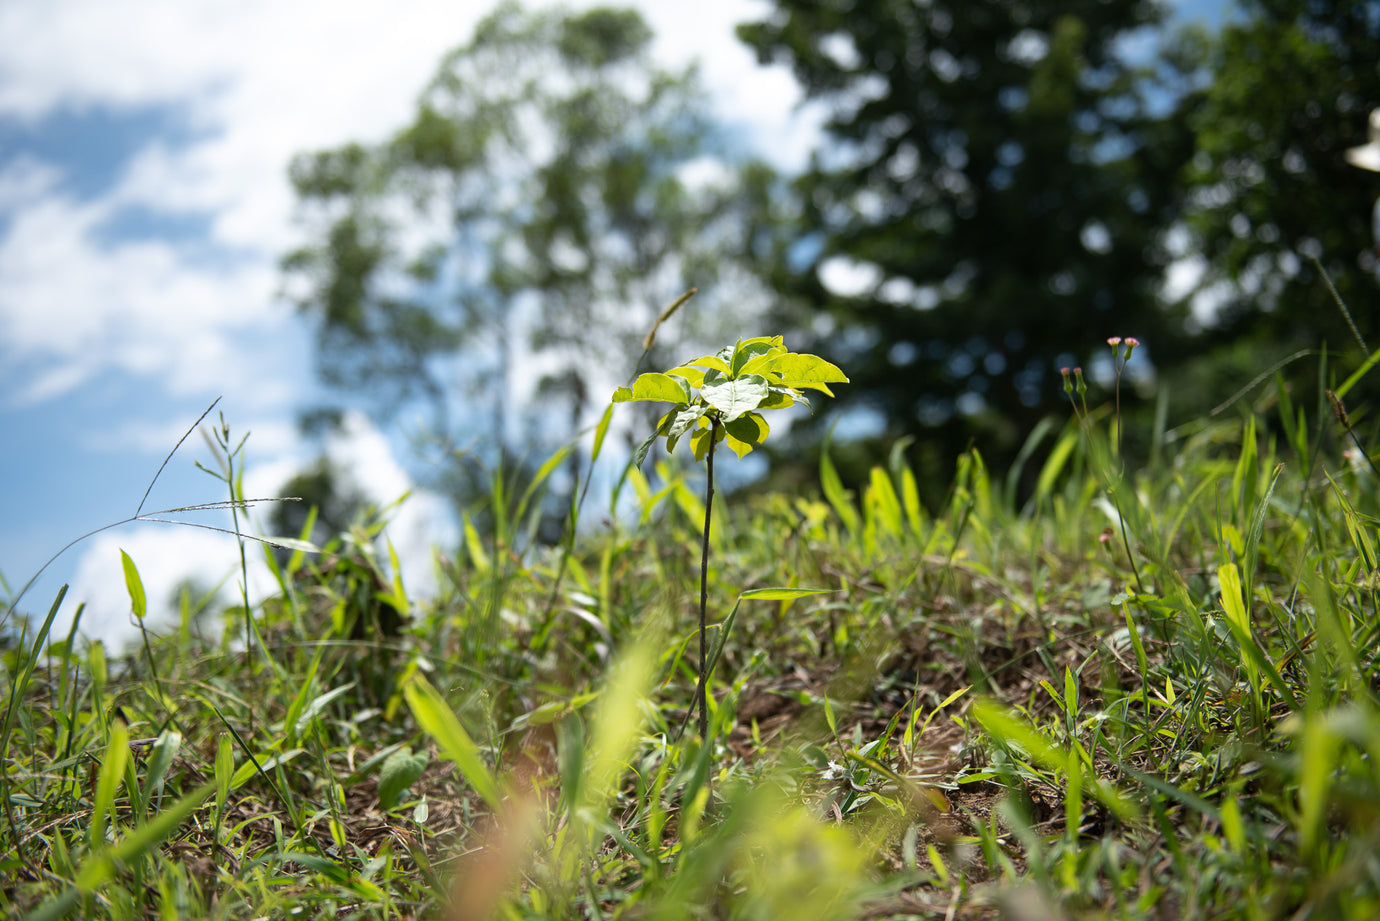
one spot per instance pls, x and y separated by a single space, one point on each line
1114 341
1132 342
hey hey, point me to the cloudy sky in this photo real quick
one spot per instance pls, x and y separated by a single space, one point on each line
143 209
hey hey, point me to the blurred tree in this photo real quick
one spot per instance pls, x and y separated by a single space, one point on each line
991 206
1288 89
511 247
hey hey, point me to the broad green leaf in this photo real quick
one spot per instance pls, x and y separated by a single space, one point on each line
400 770
710 361
780 398
776 342
808 372
164 752
437 719
137 600
693 376
748 351
700 441
656 387
735 397
680 421
737 445
750 429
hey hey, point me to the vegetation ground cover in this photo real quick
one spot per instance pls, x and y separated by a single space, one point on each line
1078 688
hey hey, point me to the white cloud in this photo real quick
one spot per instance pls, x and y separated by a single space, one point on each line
165 555
81 305
245 86
257 82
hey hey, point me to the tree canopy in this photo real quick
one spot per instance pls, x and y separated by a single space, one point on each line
553 192
990 204
1288 87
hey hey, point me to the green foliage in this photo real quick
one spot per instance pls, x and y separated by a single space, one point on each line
541 201
1270 188
754 374
1145 691
996 184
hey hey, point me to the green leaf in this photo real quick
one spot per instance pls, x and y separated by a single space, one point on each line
164 752
710 361
748 351
108 780
693 376
137 600
700 441
808 372
640 454
435 716
681 420
781 397
735 397
783 594
601 430
400 770
840 498
749 429
657 387
738 446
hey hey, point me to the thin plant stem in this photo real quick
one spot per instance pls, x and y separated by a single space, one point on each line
701 694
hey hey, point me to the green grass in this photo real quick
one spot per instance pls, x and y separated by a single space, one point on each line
1141 694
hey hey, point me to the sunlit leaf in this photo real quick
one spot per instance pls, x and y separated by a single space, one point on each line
655 386
137 600
808 372
735 397
748 351
750 429
435 716
710 361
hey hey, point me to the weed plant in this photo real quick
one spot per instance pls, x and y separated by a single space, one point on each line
1142 692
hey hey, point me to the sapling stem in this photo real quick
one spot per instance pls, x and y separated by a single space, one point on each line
702 693
750 375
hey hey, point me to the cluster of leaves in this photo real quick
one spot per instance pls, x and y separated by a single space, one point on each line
734 384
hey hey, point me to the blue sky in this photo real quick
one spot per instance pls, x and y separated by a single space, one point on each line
143 209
